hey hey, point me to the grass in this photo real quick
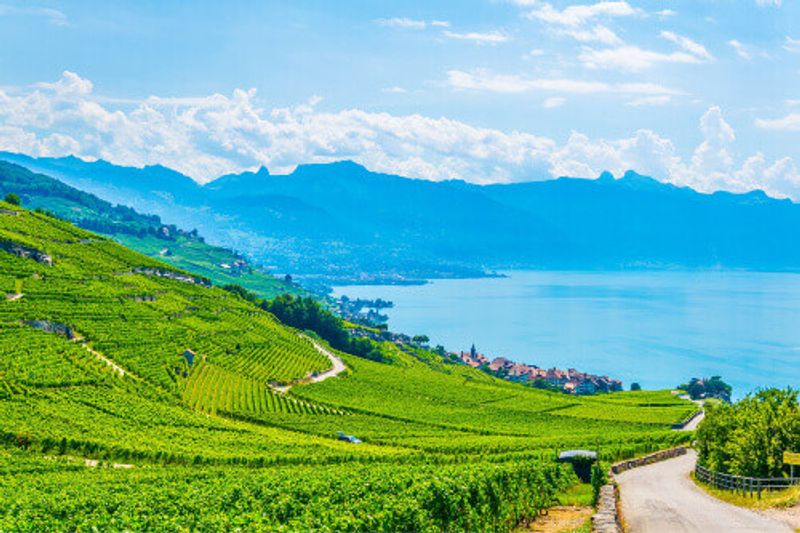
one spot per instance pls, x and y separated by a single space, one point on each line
778 499
578 495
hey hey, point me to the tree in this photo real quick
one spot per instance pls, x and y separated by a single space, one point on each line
13 199
420 339
635 386
749 437
708 388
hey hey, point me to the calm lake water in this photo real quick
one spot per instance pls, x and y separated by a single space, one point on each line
657 328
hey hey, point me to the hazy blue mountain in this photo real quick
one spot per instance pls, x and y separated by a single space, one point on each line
143 233
340 221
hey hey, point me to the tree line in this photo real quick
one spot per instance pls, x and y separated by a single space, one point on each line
308 314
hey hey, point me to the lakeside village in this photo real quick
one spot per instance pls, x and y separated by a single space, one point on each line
570 381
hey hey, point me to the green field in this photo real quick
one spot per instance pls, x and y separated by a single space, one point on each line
94 366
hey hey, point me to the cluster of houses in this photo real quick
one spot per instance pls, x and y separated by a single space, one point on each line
237 267
570 381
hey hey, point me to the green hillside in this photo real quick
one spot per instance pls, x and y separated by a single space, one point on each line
112 358
144 233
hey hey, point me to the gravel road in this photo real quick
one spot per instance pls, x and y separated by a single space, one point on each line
662 498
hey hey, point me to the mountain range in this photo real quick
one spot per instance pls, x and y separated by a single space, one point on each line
340 222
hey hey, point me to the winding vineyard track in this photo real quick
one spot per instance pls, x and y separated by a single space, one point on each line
338 364
662 498
337 368
114 366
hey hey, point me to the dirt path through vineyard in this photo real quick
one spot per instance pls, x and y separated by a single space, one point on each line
337 368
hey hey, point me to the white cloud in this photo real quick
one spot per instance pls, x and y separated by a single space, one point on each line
664 13
205 137
741 49
536 52
781 178
769 3
693 47
599 34
711 167
790 122
650 101
631 58
395 90
792 45
70 83
492 37
577 15
403 22
712 160
54 16
411 24
582 156
634 58
553 102
484 80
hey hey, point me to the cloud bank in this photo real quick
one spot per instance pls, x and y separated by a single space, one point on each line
205 137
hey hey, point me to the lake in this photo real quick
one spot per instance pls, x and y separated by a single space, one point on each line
657 328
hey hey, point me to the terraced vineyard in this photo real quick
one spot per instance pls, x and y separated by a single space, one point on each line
111 356
212 389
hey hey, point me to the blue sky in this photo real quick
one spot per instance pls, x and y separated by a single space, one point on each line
700 93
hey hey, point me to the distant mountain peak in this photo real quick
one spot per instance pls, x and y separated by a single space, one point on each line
345 166
606 176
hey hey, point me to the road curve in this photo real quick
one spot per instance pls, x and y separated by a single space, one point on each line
337 368
692 424
661 498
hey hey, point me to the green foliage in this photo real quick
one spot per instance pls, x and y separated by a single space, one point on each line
599 478
13 199
749 438
713 387
308 314
473 497
635 386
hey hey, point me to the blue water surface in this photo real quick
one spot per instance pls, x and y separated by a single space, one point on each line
657 328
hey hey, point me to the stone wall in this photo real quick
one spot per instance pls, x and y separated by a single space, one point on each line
648 459
606 519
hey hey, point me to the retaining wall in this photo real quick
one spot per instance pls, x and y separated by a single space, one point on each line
608 518
663 455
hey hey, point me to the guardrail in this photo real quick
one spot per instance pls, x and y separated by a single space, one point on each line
749 486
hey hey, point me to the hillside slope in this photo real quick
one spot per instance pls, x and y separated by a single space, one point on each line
143 233
112 356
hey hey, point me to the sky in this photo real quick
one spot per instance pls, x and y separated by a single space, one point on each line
704 93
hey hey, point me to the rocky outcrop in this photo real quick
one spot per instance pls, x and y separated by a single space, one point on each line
52 327
170 274
26 252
